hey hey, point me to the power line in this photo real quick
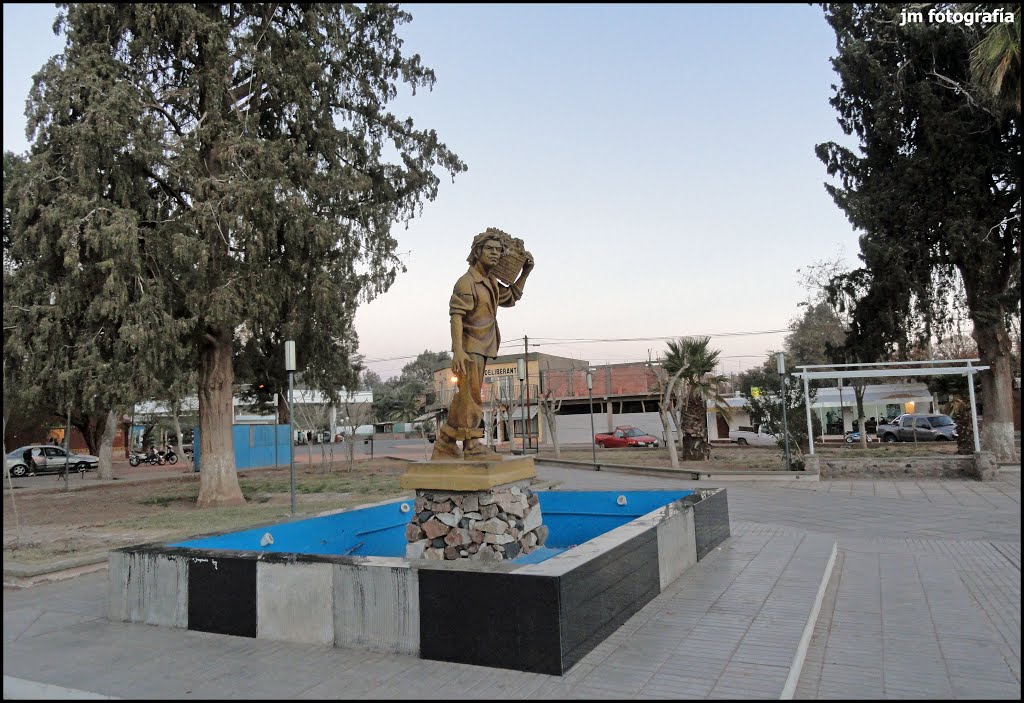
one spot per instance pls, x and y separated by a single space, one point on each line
390 358
557 340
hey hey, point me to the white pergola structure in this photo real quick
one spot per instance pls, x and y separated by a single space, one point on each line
957 367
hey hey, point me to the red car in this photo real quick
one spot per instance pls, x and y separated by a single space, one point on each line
625 436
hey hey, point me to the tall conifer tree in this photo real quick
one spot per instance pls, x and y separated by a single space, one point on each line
935 187
236 172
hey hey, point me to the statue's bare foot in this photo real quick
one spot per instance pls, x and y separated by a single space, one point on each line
445 448
476 450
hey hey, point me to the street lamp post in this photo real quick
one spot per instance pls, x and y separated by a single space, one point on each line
289 366
590 395
781 359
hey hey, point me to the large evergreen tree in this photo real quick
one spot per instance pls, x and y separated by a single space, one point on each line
236 171
934 187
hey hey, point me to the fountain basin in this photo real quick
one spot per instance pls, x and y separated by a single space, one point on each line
342 579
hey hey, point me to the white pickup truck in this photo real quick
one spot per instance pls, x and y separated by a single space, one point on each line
759 437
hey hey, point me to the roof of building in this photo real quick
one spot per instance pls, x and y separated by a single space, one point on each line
881 393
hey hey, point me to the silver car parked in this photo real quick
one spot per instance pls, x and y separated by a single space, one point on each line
918 427
46 458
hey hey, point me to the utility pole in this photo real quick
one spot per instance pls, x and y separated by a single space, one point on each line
590 394
526 356
522 408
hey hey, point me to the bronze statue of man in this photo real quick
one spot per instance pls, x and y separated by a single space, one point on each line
475 339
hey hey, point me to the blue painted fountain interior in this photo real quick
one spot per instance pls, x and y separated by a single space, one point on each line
573 517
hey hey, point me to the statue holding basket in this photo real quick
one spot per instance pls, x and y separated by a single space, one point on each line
498 269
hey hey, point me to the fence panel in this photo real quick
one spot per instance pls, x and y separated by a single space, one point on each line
254 446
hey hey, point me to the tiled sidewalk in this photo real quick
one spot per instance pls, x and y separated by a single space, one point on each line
923 601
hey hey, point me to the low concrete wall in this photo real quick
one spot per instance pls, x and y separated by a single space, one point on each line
894 467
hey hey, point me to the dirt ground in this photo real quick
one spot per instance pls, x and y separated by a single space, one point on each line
54 525
726 457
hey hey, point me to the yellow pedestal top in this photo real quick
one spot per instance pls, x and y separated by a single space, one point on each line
467 475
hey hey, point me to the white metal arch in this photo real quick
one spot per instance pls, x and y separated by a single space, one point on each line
950 367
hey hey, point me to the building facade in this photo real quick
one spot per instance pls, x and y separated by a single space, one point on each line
511 407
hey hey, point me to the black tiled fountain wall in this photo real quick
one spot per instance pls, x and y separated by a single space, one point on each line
710 521
546 624
222 596
490 619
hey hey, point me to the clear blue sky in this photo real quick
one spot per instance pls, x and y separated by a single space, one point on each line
657 160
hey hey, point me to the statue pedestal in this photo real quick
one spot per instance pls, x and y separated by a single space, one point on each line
479 510
467 474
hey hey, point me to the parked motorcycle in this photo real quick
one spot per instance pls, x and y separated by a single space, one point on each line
153 458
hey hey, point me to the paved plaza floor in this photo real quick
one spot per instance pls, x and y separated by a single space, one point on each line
919 597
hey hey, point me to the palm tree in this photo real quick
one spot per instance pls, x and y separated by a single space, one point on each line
995 60
690 364
403 404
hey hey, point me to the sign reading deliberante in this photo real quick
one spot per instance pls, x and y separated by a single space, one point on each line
500 371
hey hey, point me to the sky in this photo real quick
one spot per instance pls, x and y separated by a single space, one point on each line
656 159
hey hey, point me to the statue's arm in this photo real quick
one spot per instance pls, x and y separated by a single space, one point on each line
460 358
462 302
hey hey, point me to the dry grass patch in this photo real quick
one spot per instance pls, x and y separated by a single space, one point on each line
56 525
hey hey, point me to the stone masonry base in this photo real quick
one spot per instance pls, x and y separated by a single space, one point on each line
488 525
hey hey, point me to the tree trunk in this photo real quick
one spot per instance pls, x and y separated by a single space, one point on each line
553 429
994 350
283 416
673 453
694 429
672 404
105 472
666 411
177 430
91 429
218 476
507 422
549 418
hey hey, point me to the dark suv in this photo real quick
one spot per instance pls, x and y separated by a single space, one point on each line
918 427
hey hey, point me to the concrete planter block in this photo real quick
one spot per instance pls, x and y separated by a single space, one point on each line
677 546
985 466
294 602
147 587
377 607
